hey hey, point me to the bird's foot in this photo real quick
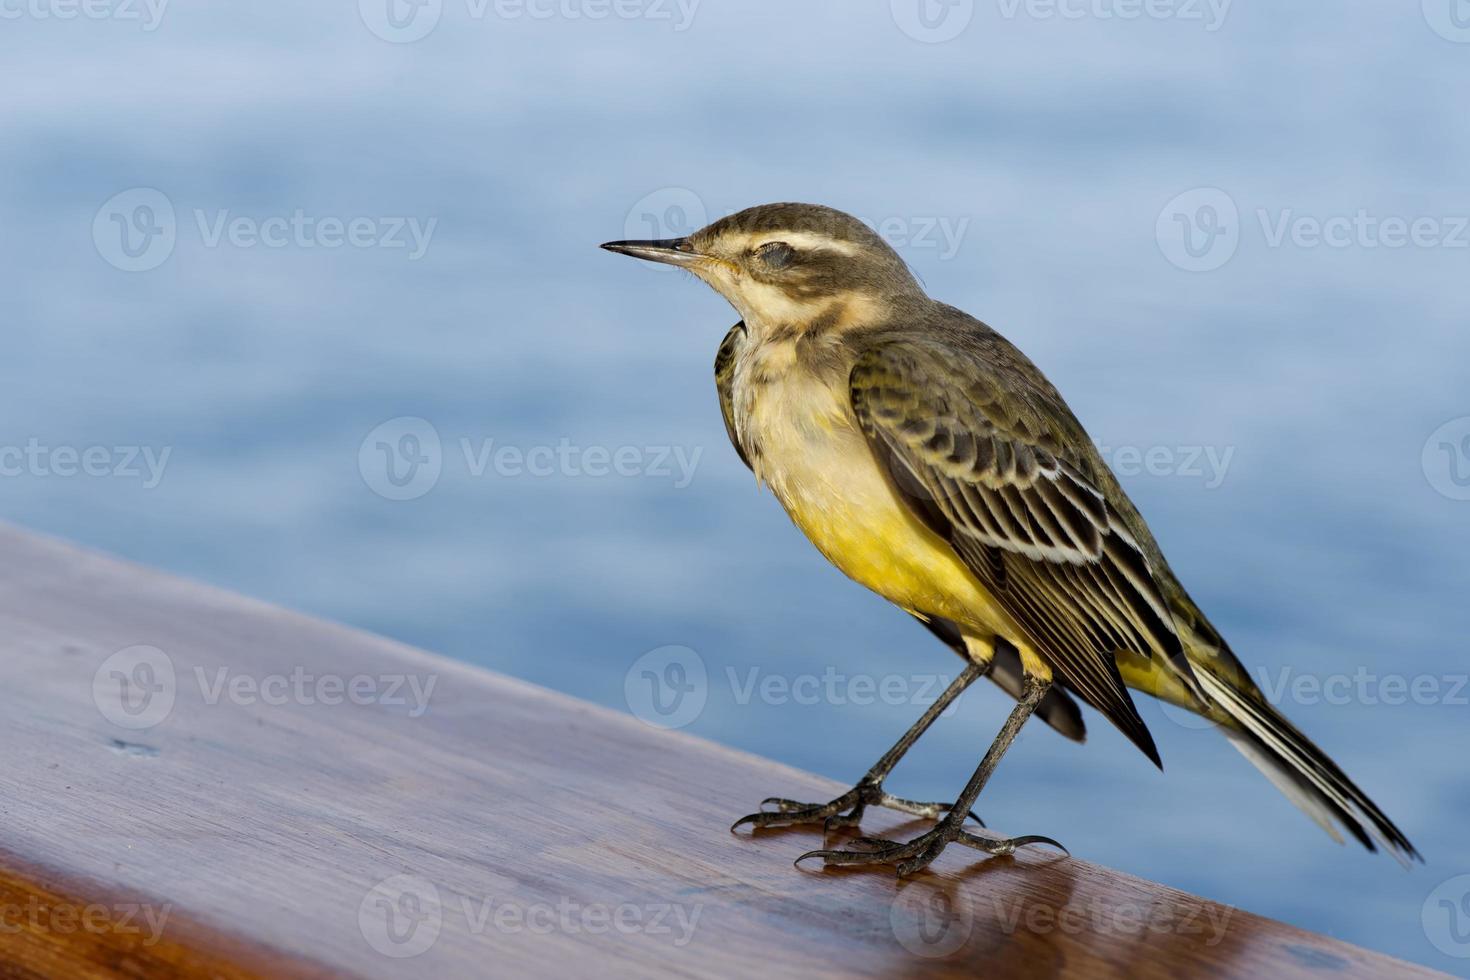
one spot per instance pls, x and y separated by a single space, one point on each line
916 854
845 811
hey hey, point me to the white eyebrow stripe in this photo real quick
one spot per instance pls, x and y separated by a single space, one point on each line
809 240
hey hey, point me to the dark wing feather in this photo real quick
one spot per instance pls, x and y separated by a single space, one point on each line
1033 529
725 382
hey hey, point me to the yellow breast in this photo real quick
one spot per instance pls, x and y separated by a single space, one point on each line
818 463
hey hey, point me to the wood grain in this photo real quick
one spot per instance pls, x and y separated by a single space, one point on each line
519 832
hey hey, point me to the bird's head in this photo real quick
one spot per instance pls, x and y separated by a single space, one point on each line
788 264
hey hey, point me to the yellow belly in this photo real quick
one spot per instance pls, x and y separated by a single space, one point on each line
832 488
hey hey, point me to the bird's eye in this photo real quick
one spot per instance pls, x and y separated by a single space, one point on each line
776 255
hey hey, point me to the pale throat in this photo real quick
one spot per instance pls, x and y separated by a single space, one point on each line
770 312
791 400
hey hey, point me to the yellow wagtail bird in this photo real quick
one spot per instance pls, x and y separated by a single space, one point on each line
930 460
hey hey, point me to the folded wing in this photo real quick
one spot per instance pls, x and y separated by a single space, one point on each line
989 472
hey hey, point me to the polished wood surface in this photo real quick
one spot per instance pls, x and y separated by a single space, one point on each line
269 800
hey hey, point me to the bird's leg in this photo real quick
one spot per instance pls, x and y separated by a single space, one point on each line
917 853
847 809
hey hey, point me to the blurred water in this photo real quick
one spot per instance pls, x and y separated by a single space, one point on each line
1034 169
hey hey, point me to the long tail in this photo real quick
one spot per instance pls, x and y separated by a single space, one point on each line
1301 770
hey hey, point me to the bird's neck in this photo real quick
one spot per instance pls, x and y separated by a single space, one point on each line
813 322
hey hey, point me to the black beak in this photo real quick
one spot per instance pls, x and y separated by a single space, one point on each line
669 251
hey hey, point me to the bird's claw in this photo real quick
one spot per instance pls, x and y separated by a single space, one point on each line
845 811
791 813
1009 846
911 856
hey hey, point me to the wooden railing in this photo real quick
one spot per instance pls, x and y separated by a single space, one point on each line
198 784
